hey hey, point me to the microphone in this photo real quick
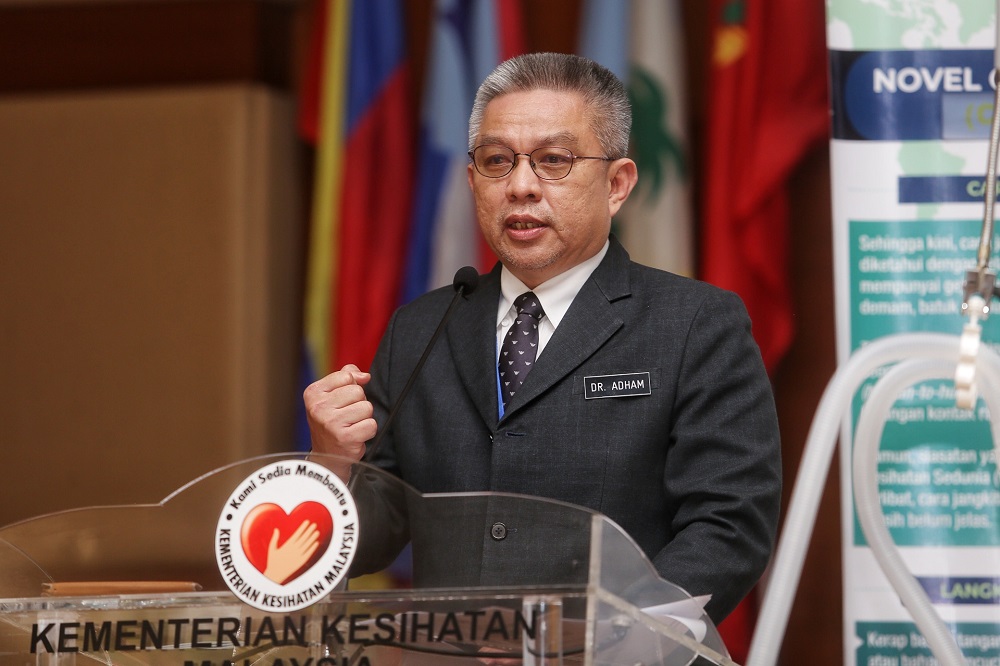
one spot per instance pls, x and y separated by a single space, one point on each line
465 282
467 279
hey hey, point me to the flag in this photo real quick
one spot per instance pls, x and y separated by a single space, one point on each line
469 38
655 224
379 159
364 166
642 43
604 35
767 108
321 121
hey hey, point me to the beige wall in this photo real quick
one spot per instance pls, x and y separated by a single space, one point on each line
150 244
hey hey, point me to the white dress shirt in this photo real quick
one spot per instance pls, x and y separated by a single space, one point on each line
555 296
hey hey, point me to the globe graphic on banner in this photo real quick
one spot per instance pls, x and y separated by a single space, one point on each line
904 24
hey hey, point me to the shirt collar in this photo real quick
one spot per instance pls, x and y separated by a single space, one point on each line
555 294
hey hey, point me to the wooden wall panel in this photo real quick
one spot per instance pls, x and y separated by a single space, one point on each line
149 266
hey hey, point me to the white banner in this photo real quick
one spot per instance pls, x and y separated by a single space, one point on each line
912 102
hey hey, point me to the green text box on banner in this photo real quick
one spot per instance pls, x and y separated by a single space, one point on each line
936 463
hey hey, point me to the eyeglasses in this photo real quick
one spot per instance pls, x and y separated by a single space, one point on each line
548 162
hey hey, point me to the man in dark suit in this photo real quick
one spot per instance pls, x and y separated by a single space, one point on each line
645 397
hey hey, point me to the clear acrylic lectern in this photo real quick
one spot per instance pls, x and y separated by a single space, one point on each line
495 578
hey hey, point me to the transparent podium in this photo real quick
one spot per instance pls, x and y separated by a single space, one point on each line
490 578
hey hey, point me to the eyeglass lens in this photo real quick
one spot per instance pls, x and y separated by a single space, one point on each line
548 162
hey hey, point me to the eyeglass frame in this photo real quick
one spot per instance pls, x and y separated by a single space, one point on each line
531 162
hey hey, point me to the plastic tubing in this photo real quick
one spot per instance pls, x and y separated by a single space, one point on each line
871 424
815 464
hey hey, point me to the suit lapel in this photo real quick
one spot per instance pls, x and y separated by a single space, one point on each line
472 339
588 324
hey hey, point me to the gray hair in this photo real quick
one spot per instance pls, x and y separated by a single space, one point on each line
604 94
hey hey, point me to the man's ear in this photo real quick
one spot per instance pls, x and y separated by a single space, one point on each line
622 177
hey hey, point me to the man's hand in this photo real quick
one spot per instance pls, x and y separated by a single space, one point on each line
339 414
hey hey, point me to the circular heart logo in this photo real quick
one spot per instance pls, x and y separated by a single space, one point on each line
284 560
283 546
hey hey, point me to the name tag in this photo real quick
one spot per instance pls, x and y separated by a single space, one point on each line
616 386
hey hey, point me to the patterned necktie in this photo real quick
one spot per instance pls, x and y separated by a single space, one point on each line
520 345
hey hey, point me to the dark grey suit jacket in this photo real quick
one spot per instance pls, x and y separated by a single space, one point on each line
691 472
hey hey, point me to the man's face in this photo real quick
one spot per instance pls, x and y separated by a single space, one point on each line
540 228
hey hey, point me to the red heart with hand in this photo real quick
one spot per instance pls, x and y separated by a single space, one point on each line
260 523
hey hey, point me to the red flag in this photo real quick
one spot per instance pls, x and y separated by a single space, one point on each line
767 108
311 87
